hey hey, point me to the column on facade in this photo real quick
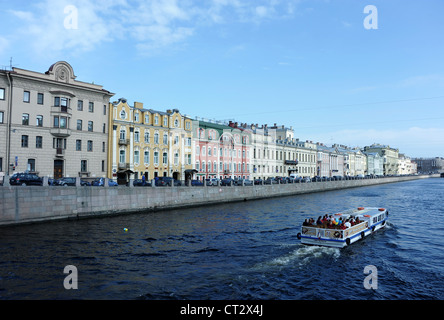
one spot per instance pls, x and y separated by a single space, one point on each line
131 152
114 150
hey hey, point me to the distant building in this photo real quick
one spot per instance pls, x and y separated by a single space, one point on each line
375 164
389 155
52 124
428 165
330 161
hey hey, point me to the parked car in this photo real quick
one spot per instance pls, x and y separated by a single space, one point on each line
290 180
227 182
258 181
316 179
248 182
68 181
281 180
270 181
141 183
100 182
167 181
25 179
306 179
196 183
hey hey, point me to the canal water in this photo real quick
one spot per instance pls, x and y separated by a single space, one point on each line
241 251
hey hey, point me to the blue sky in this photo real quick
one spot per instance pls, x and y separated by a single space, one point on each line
309 64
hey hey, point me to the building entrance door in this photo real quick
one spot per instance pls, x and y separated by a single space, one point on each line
58 169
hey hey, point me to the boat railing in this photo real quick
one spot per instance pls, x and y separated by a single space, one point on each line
329 233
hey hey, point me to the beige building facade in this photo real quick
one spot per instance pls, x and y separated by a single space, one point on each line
147 143
52 124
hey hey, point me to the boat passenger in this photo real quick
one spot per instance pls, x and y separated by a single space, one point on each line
347 224
319 222
306 223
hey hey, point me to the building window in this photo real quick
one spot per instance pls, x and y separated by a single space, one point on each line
1 116
104 109
39 121
156 120
80 105
78 145
146 157
156 158
56 121
26 96
165 158
79 125
165 139
24 141
2 93
147 137
40 99
63 122
176 123
122 134
103 165
136 156
136 116
90 126
156 138
123 115
90 145
136 136
25 119
147 118
84 166
176 159
38 142
31 165
91 107
165 121
176 140
103 146
104 128
122 157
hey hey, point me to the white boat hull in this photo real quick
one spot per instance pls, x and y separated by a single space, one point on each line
327 237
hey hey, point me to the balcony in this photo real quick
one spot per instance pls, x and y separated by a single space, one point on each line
61 109
124 142
123 166
60 132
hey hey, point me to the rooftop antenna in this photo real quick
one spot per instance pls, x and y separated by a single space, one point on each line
11 65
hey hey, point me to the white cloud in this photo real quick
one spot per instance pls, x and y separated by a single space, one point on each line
153 24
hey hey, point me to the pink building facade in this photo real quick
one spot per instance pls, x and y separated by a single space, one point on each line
221 151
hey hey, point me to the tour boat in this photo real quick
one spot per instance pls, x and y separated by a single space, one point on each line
369 221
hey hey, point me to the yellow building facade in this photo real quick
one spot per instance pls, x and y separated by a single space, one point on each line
148 143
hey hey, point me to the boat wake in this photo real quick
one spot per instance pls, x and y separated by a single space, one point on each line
301 256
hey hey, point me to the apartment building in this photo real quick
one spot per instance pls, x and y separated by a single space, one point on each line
148 143
221 150
390 157
52 124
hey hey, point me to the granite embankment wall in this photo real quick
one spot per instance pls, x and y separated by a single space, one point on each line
36 204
